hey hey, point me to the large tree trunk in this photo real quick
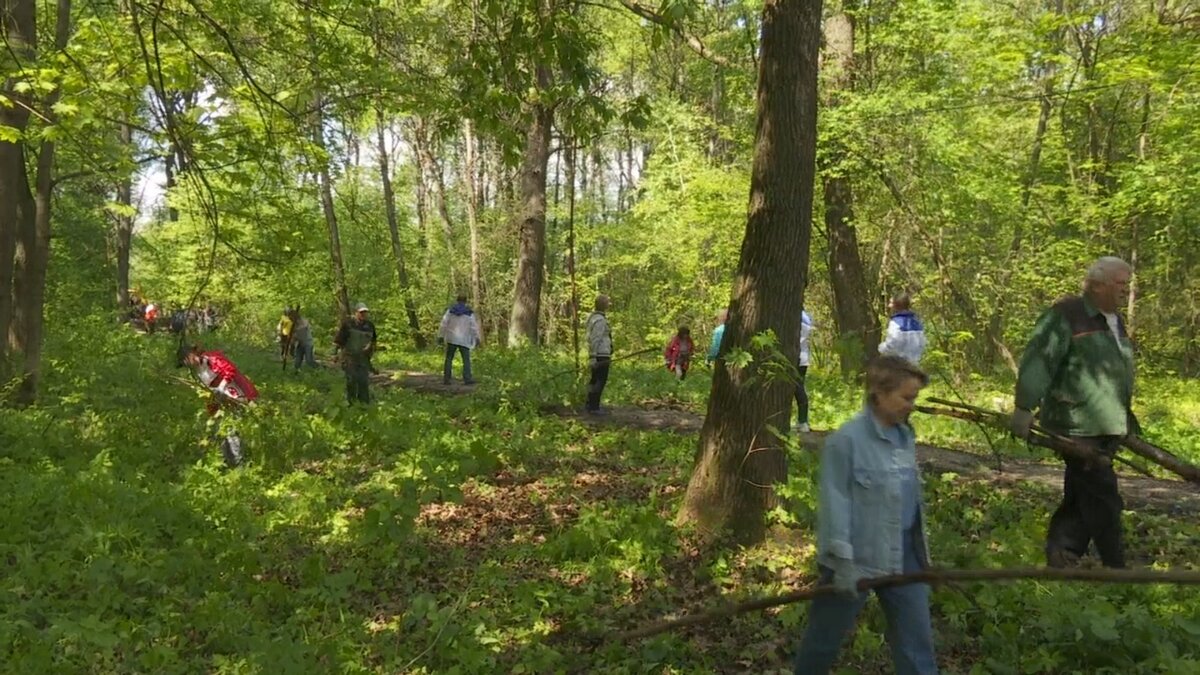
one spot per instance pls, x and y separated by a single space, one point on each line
18 20
123 230
389 204
527 290
33 243
739 458
855 318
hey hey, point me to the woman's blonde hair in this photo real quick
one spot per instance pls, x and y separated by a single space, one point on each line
886 373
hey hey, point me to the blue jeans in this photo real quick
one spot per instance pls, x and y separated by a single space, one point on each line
909 628
448 367
304 354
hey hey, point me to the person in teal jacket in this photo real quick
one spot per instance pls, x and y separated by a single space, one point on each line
714 349
1077 371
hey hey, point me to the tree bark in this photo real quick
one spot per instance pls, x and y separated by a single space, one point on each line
470 164
739 459
531 214
325 184
570 161
389 203
123 231
856 322
32 257
18 19
433 171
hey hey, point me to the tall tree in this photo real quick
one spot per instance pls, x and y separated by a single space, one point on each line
531 219
739 460
31 257
389 205
853 313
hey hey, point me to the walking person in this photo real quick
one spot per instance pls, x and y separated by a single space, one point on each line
870 523
460 331
600 348
1077 371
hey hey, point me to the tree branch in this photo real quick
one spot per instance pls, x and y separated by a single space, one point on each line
1108 576
691 40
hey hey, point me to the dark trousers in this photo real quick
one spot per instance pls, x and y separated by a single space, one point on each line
358 379
600 366
802 396
1091 507
448 366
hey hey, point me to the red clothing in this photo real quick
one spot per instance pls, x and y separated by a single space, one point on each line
679 352
225 376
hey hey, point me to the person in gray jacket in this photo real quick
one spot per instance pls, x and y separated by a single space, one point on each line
599 337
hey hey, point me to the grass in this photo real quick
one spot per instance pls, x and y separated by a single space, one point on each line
473 534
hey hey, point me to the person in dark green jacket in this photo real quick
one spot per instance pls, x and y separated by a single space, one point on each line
1077 371
356 341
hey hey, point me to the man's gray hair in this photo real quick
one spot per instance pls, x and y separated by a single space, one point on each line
1104 268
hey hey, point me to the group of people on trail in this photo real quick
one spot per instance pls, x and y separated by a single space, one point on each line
1077 374
295 336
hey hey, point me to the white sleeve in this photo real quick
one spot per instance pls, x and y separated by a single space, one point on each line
892 340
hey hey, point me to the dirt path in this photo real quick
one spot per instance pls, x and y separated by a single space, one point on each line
1166 496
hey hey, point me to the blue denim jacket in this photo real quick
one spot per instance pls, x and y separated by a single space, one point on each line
860 503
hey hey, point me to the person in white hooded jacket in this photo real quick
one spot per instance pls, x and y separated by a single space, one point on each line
460 330
905 332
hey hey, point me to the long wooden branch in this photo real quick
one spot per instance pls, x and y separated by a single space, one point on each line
1108 576
1065 446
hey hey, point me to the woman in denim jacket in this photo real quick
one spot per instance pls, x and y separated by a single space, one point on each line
870 523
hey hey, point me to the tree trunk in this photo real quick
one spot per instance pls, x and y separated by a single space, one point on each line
432 169
472 202
739 458
995 330
853 313
19 23
389 203
570 161
33 241
325 184
527 290
123 231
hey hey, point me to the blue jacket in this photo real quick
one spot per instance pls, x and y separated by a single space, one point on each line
714 349
860 504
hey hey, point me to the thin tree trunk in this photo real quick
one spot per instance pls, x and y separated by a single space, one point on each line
422 199
123 232
570 160
739 459
995 330
470 168
433 171
389 203
1143 144
325 184
531 260
855 318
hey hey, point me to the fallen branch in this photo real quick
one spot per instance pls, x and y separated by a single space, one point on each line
1161 457
1108 576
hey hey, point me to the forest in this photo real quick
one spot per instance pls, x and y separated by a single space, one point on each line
183 178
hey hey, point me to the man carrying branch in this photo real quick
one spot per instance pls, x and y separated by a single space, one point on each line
1078 369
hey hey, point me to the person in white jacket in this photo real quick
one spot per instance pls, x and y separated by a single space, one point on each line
905 332
460 331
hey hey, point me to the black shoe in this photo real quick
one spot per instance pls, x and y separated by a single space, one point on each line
1061 558
468 382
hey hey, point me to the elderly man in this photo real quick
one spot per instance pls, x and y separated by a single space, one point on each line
599 337
1078 369
356 341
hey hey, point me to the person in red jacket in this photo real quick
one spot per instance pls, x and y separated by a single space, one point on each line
678 353
230 388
